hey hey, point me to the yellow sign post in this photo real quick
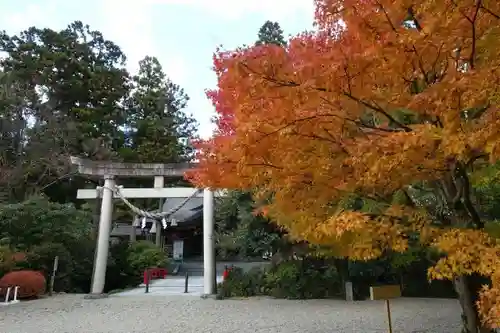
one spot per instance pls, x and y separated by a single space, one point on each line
386 293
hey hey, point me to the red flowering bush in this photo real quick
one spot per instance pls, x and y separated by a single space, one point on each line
31 283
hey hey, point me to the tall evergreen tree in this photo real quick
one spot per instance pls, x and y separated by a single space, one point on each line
67 92
158 129
69 86
271 33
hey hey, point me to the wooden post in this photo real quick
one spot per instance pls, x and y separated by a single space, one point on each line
53 276
148 279
386 293
389 315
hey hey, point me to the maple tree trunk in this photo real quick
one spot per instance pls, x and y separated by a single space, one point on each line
467 293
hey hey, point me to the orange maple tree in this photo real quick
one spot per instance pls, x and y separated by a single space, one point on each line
307 125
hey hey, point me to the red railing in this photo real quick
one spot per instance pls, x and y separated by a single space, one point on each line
153 274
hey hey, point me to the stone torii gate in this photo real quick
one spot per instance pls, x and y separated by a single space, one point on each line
110 171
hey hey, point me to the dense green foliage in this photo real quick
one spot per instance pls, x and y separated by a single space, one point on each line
127 263
67 92
240 233
313 278
38 221
40 230
34 232
294 279
157 127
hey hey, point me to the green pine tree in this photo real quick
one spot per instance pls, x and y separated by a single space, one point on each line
271 33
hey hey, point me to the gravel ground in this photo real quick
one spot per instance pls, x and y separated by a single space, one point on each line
177 314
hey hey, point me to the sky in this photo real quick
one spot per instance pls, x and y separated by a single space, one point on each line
182 34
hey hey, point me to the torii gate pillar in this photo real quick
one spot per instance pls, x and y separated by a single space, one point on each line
209 274
102 250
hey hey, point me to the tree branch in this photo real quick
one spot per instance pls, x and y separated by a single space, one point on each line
387 17
294 122
473 23
474 159
360 123
379 110
490 12
267 165
291 83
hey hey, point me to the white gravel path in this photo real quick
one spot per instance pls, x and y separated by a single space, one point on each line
177 314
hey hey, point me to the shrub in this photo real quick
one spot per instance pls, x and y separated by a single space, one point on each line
31 283
7 259
82 255
41 258
44 229
127 263
144 254
303 279
242 284
294 279
412 277
119 275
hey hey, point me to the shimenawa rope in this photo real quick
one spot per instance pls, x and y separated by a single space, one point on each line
146 214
